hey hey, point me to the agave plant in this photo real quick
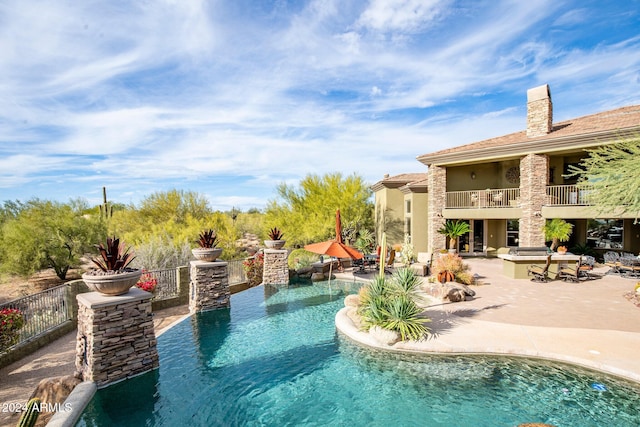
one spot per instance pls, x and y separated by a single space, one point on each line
391 305
208 239
403 317
115 256
275 234
406 280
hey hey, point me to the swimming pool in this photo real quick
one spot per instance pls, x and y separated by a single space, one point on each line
275 359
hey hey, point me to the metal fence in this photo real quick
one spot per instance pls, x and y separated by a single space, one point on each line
48 309
41 312
167 283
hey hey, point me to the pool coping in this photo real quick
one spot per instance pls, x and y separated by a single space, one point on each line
491 338
77 400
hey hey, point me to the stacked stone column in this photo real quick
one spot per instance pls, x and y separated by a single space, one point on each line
276 269
437 184
209 287
115 338
534 172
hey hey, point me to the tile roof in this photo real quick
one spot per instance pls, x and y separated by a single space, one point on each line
621 118
399 180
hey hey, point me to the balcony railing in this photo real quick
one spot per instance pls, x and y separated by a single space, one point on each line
557 195
489 198
567 195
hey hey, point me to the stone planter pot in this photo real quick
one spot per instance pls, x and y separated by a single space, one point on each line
112 283
206 254
274 244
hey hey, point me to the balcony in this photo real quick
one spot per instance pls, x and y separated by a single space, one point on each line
557 195
489 198
567 195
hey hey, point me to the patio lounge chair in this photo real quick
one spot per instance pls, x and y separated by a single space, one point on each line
582 270
540 273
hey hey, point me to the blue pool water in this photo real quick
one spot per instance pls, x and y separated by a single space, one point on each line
275 359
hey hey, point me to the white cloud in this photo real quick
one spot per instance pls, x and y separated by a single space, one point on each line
233 98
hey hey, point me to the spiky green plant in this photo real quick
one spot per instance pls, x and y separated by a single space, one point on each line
391 305
406 281
402 316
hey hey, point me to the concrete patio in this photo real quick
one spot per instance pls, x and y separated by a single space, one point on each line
589 323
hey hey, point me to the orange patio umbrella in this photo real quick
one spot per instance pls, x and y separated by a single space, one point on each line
335 248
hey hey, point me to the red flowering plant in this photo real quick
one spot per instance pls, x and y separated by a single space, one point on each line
147 281
11 320
253 268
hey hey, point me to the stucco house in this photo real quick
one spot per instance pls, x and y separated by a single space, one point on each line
507 187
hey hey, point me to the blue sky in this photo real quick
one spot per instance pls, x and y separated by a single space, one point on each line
231 98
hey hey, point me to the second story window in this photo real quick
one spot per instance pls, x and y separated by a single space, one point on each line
408 206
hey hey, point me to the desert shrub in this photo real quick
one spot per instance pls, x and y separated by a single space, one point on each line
160 252
300 258
449 267
391 304
253 268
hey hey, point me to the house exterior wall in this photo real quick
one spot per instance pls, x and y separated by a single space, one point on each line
418 216
389 215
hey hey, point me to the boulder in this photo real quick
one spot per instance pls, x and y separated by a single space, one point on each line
456 292
352 300
317 277
54 391
384 336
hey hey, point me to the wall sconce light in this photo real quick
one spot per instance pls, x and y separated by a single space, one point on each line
438 215
537 214
473 175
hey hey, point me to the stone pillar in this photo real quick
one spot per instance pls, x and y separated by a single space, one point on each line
276 269
116 339
209 287
534 173
437 187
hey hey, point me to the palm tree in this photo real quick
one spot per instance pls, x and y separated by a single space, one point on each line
557 230
453 230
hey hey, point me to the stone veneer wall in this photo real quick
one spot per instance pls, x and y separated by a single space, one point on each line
209 287
534 173
539 111
437 184
115 338
276 269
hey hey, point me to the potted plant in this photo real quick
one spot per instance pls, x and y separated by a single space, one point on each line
453 230
207 250
113 276
275 239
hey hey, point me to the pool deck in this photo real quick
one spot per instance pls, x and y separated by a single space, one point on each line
589 324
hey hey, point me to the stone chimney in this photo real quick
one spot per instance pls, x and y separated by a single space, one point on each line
539 111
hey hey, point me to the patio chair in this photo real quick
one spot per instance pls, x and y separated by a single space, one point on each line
582 270
389 264
540 273
612 260
630 267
